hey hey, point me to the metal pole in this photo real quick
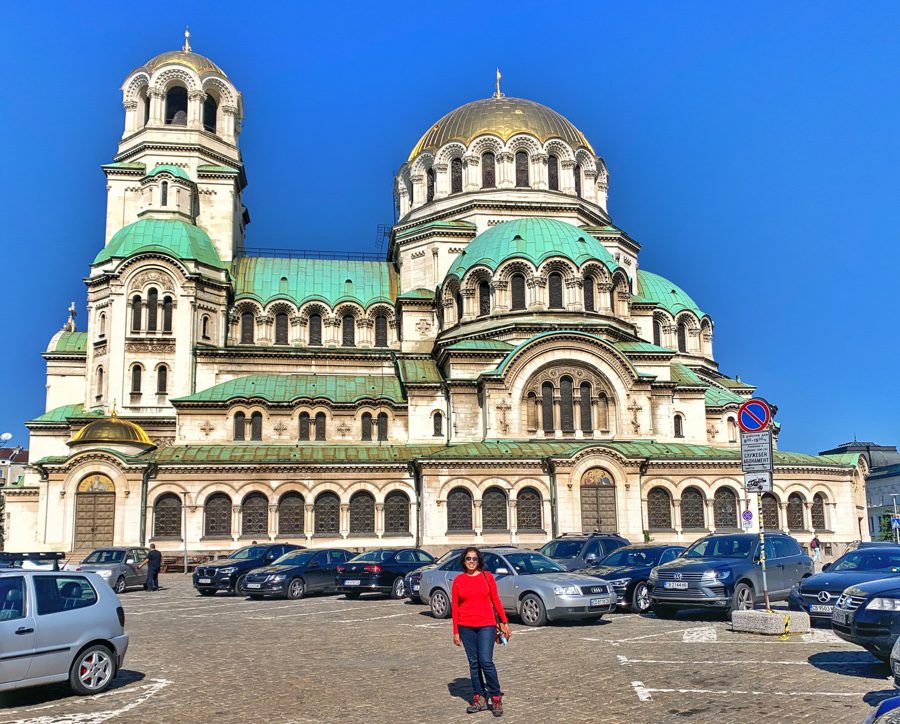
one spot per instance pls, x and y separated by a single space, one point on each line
762 551
896 530
184 518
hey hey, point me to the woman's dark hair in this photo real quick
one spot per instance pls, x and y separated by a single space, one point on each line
462 558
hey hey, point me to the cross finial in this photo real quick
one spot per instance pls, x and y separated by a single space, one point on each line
498 93
187 40
69 326
113 412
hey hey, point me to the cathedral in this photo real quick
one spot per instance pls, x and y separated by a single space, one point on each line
505 372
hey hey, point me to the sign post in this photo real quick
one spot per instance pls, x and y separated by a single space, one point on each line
757 462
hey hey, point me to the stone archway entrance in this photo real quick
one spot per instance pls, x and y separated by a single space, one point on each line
598 502
95 512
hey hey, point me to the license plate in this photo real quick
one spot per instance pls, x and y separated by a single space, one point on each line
204 580
896 666
351 583
415 588
680 585
820 608
840 616
599 602
254 585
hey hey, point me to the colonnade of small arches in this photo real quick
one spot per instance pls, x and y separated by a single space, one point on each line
562 404
685 332
319 423
494 510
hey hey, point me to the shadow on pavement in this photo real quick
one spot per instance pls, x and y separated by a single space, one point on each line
57 692
850 663
460 688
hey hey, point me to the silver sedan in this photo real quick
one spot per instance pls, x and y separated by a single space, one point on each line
531 586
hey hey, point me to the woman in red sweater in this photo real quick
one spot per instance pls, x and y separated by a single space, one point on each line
475 606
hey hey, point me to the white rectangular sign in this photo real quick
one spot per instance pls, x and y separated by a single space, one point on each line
758 482
756 452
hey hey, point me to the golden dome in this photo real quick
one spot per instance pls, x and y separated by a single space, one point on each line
503 117
199 63
112 429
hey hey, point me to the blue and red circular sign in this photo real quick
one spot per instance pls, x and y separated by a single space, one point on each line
754 415
747 515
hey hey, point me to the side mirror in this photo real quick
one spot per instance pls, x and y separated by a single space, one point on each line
129 561
826 567
501 572
591 558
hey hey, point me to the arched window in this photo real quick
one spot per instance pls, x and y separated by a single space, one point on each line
770 511
459 511
529 510
315 330
101 325
348 330
818 512
256 426
429 185
176 106
167 516
553 172
152 310
204 327
396 513
682 337
659 509
531 411
136 313
217 516
522 169
517 288
494 508
366 424
327 510
247 328
362 514
602 412
255 515
484 298
290 514
382 426
555 290
612 299
725 508
547 407
566 409
164 193
438 423
240 426
585 399
732 430
488 171
795 512
692 509
679 426
578 180
657 333
210 111
588 285
281 328
303 432
136 379
99 391
381 330
167 314
162 380
320 426
456 174
459 307
145 104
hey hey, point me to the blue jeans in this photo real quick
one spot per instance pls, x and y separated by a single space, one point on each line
478 642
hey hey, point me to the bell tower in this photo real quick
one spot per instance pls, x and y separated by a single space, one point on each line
182 121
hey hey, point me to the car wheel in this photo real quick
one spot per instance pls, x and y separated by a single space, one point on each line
398 590
92 671
239 586
640 598
120 585
742 600
296 589
664 611
440 604
206 592
532 611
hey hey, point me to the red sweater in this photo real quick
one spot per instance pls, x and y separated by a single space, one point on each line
471 601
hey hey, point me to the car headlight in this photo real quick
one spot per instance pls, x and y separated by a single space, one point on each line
652 577
567 591
277 577
104 572
230 569
619 582
795 591
884 604
716 575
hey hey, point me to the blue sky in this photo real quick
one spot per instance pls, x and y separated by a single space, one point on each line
752 150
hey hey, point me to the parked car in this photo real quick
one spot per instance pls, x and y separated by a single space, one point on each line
887 712
722 571
118 566
531 586
412 580
59 626
229 573
817 594
895 662
39 561
868 615
574 551
628 569
297 573
380 571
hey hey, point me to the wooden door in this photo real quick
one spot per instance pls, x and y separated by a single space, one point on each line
598 503
94 520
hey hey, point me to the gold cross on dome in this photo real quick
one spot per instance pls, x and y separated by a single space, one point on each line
186 48
498 93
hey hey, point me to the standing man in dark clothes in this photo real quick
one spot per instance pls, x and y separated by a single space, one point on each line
153 561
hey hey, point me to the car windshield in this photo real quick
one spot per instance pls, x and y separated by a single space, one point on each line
562 548
105 556
244 554
376 556
446 557
634 557
293 559
721 548
526 564
868 560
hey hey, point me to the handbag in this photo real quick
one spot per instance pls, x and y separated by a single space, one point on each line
498 632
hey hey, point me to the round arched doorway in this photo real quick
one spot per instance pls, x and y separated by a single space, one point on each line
95 512
598 502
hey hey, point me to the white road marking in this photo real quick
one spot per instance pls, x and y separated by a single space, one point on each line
820 636
653 635
704 634
293 615
645 693
376 618
587 638
625 661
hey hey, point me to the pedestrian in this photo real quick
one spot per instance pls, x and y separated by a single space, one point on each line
816 548
476 608
153 561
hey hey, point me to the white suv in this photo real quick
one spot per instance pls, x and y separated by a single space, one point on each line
58 626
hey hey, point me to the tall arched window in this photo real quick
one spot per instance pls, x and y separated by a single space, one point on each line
152 309
164 193
602 412
517 289
290 514
459 511
588 285
176 106
167 314
818 512
553 172
240 426
320 426
770 511
101 325
725 508
381 330
99 391
484 298
456 176
679 426
732 430
438 424
315 330
247 328
555 290
256 426
204 327
327 510
382 426
136 311
531 411
167 516
585 399
488 171
459 306
682 337
522 169
255 515
578 180
494 508
281 328
303 431
396 513
529 510
692 509
547 407
566 409
429 185
162 380
659 509
210 111
348 330
362 514
795 512
136 379
366 424
217 516
657 333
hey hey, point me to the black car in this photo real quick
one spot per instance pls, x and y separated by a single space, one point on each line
228 574
868 615
628 569
817 594
574 551
380 571
296 573
723 571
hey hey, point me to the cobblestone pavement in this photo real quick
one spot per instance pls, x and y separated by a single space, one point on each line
324 659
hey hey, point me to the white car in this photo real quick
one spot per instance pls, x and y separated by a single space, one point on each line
59 626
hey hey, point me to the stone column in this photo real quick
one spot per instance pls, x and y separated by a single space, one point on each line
574 290
379 520
365 333
506 172
476 518
344 526
418 184
499 288
513 521
195 109
235 522
309 521
782 516
273 521
535 286
567 176
157 99
807 515
131 122
539 178
441 180
589 189
676 516
264 329
469 311
710 515
471 173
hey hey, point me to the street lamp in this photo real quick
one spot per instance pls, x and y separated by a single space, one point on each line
896 530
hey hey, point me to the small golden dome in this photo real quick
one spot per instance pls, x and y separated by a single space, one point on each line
112 429
199 63
503 117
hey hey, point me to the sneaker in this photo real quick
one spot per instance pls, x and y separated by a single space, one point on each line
478 704
497 705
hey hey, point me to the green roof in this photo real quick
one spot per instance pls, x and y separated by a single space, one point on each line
717 397
593 337
176 171
286 388
168 236
419 371
300 280
217 169
438 224
848 458
64 412
71 342
493 345
124 166
654 289
640 347
420 293
735 384
533 239
685 377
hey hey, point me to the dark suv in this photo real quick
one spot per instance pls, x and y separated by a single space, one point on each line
574 551
723 572
229 573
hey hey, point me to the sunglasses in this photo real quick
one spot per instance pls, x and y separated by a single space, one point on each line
472 558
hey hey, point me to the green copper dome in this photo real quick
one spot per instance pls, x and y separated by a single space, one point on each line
534 240
167 236
654 289
176 171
